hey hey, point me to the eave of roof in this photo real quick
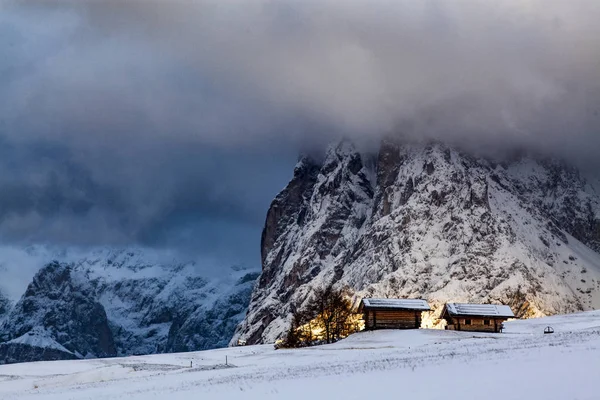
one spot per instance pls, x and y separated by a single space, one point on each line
395 304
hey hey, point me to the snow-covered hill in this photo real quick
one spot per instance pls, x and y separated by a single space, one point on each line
430 221
522 363
123 302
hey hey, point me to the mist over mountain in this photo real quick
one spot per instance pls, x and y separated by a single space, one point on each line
155 123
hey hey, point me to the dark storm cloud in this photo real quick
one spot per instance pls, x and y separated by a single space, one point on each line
162 122
519 71
194 198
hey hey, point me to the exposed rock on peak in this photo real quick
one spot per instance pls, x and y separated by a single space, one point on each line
430 221
63 303
319 214
123 302
5 306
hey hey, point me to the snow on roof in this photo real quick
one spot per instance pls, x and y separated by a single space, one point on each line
487 310
407 304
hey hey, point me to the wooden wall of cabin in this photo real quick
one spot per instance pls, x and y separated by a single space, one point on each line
477 324
392 319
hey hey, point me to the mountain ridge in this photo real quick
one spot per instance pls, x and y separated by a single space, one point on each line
123 302
428 220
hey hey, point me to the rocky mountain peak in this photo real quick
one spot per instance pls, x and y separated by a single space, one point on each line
61 302
122 302
429 220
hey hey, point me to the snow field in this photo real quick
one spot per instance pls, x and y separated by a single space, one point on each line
522 363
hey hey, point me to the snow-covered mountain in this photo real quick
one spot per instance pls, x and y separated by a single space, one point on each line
427 220
122 302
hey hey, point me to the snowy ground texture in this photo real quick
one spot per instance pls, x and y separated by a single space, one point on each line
522 363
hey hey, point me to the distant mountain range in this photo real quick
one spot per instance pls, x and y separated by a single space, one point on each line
122 302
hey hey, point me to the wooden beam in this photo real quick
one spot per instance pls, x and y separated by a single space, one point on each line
374 319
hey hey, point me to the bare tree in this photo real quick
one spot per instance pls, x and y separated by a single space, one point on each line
298 335
328 311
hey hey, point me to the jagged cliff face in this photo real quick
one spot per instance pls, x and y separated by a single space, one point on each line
429 221
62 302
5 306
116 303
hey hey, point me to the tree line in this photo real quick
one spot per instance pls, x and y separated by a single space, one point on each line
326 317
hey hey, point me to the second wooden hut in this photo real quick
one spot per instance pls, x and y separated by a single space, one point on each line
476 317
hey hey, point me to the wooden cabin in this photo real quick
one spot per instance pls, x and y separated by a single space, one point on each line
476 317
392 313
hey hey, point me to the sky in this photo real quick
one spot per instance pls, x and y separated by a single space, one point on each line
173 124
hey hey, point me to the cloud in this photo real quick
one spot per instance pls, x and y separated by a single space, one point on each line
517 70
141 119
229 72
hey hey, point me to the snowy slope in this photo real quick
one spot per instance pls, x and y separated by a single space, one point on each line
110 302
522 363
37 337
429 221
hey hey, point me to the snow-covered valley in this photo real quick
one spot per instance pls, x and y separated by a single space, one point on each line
521 363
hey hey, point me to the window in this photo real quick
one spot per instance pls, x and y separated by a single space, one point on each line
467 322
486 322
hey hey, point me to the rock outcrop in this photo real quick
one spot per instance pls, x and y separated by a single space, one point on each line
62 302
117 303
427 220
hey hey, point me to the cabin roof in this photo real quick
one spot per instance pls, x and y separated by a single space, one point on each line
398 304
479 310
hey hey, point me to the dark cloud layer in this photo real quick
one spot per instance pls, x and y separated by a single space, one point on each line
165 123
